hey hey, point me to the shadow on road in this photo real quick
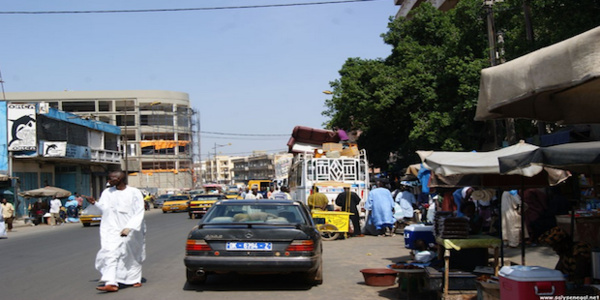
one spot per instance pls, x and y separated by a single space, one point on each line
237 282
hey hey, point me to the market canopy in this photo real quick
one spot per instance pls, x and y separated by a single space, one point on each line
559 83
482 169
48 191
576 157
453 163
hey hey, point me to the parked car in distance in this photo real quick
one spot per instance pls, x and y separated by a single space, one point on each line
158 202
200 204
255 237
176 203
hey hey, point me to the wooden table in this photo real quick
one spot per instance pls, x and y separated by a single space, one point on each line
474 241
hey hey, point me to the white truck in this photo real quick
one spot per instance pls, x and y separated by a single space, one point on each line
306 170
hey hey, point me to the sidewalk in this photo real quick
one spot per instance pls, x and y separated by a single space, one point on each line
21 225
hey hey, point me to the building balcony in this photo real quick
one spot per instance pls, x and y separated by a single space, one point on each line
106 156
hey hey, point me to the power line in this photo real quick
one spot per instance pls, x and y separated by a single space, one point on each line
243 138
250 152
243 134
173 9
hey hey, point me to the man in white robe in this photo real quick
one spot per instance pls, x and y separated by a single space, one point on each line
2 227
122 232
511 219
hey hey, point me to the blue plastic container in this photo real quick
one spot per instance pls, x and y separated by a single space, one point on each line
415 232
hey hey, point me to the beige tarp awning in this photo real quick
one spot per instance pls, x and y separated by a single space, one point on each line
48 191
460 163
482 169
559 83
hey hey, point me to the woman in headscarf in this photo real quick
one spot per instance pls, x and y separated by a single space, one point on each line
461 196
72 210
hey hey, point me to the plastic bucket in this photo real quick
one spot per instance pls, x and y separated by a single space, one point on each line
379 277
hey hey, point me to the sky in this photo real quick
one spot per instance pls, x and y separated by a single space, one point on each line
247 71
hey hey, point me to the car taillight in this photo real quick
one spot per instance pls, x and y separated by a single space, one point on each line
197 245
304 245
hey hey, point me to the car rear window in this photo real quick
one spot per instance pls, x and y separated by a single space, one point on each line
262 213
172 198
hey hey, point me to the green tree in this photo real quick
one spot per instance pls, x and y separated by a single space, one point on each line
552 21
424 94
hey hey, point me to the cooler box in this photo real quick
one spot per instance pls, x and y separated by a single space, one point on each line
416 232
530 282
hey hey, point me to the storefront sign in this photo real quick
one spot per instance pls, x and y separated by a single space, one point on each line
54 149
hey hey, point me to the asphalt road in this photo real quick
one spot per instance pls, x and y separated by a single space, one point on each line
46 262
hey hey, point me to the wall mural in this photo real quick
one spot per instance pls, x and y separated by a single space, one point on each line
21 127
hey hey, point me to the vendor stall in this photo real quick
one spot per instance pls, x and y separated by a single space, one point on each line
581 158
587 228
475 241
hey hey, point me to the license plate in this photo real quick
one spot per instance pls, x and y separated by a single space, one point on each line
96 219
241 246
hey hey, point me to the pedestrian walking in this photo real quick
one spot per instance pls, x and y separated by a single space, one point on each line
317 201
511 218
79 200
72 210
122 234
340 201
254 194
281 194
8 212
380 205
3 234
55 206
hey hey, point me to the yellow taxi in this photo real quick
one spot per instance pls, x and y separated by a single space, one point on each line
232 194
88 220
175 203
202 203
91 215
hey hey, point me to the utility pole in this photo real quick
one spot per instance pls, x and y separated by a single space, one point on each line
125 142
511 137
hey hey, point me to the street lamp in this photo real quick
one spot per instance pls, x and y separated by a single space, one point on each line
213 169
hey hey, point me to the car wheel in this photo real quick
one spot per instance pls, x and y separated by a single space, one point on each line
164 212
86 224
328 232
315 277
193 278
